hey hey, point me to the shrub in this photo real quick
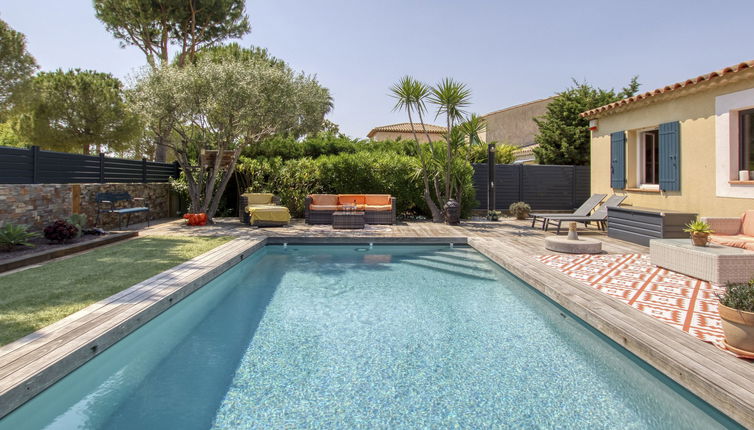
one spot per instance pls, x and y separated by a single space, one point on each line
12 235
60 231
79 221
520 210
738 296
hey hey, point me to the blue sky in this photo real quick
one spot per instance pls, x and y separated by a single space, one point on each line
507 52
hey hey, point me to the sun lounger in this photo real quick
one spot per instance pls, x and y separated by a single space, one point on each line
583 210
599 216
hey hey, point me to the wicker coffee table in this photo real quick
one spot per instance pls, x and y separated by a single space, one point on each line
715 263
348 219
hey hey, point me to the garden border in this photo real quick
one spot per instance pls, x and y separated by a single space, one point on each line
40 257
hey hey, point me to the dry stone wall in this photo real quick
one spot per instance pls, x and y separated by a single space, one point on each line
39 204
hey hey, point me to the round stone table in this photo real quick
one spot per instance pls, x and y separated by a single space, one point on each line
570 246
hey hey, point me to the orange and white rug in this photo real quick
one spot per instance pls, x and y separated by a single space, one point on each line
686 303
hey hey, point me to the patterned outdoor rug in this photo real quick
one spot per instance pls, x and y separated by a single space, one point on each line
686 303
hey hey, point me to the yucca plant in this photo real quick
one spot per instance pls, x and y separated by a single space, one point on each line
12 235
698 226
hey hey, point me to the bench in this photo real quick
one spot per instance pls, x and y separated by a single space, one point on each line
106 204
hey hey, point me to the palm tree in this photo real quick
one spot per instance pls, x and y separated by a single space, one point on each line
410 95
450 97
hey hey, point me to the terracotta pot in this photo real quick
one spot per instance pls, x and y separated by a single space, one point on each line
738 327
699 239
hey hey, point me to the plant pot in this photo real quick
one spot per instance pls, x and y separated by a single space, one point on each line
738 327
699 239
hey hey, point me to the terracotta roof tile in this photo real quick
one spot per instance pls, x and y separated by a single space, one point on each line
673 87
405 127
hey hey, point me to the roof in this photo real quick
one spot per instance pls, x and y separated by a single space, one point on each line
405 127
518 106
670 88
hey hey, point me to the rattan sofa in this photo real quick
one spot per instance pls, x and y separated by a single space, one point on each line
378 208
737 232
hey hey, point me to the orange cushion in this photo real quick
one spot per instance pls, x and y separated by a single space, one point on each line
736 240
323 207
747 223
377 199
379 208
351 199
324 199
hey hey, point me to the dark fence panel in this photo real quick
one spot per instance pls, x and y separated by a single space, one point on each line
542 187
33 166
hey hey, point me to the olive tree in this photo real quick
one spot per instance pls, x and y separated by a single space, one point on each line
226 106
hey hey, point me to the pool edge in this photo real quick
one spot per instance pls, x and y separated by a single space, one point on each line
33 363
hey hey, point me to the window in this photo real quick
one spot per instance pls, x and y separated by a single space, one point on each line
746 142
649 158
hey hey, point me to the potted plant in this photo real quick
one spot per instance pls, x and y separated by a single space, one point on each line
493 215
520 210
736 309
700 232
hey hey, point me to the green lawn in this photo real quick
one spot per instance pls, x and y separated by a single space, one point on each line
34 298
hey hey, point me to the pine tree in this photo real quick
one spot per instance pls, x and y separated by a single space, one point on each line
564 135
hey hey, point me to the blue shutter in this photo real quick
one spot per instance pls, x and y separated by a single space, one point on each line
670 156
618 160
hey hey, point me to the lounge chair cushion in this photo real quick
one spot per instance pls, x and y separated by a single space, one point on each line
314 207
324 199
258 198
268 213
377 199
351 199
379 208
747 223
735 240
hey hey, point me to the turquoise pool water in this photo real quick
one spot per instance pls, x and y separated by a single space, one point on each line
351 337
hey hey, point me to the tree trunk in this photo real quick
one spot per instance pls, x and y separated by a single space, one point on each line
433 209
160 150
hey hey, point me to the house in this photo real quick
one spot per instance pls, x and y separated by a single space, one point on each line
515 126
403 131
680 147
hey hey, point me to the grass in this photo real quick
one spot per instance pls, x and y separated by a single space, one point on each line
36 297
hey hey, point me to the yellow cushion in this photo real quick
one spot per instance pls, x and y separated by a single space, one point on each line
323 207
377 199
351 199
258 198
268 213
324 199
379 208
747 223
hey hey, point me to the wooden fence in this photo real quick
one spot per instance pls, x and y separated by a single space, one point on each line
543 187
34 166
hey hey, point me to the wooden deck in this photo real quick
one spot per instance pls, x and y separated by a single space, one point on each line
35 362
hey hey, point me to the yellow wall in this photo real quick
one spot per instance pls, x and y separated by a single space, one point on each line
696 113
393 135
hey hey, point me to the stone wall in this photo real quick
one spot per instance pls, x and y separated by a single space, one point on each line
39 204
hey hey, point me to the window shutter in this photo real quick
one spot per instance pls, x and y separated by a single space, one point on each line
618 160
670 156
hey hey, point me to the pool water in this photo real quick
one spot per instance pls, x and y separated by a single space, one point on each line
352 337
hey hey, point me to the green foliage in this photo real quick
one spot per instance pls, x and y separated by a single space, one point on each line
698 226
519 209
493 215
9 137
16 65
738 296
227 106
154 26
563 136
79 221
12 235
504 154
77 111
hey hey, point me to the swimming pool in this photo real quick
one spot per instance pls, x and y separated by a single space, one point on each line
359 337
